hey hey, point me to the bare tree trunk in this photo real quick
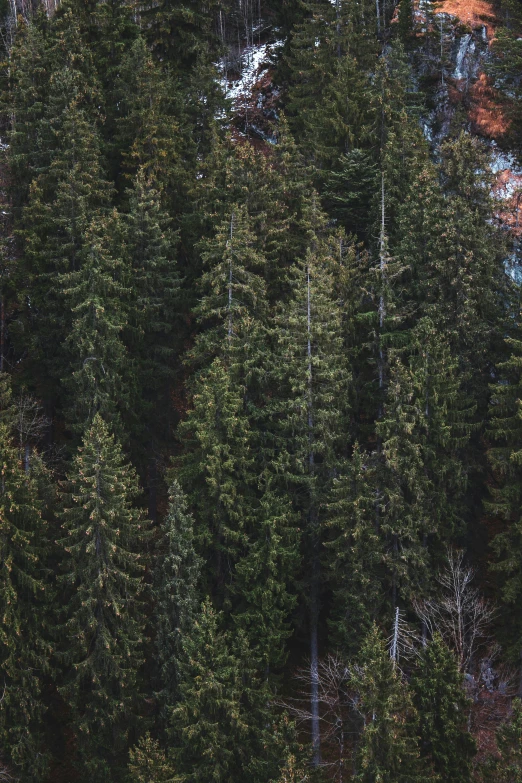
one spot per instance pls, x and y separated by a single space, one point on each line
153 494
314 662
314 589
230 277
382 301
2 332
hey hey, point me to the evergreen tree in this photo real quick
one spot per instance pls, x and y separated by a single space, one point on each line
221 723
109 30
63 200
153 323
438 694
176 585
424 427
153 136
308 414
148 763
219 471
24 645
388 748
506 493
102 631
331 51
101 381
506 767
355 551
28 94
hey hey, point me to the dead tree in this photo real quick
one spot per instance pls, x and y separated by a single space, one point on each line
458 612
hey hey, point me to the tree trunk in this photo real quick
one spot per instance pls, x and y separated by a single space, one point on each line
314 661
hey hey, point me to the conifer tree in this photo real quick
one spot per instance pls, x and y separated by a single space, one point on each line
109 30
331 50
470 280
102 631
221 727
29 72
153 323
264 578
24 642
176 585
180 30
388 747
442 706
506 767
506 492
310 409
152 133
355 551
148 763
219 470
63 200
100 381
425 425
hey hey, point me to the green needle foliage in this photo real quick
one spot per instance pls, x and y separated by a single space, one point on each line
176 588
388 748
443 710
24 640
102 633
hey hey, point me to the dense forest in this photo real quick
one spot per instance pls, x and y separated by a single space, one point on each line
260 391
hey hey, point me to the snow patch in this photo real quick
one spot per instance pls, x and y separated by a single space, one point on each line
255 60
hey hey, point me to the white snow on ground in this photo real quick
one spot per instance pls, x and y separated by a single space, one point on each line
254 61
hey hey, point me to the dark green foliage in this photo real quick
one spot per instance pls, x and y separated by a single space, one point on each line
506 766
102 633
506 492
309 328
148 763
388 748
24 592
221 724
443 709
100 380
176 587
152 289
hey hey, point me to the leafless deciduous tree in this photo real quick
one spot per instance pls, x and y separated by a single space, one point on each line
458 613
336 712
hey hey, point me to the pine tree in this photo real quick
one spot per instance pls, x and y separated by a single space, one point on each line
152 132
470 280
264 578
63 200
148 763
28 94
308 413
355 551
176 584
388 747
180 30
221 727
506 492
151 333
331 51
425 424
439 697
24 592
102 631
101 381
219 469
109 30
506 767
